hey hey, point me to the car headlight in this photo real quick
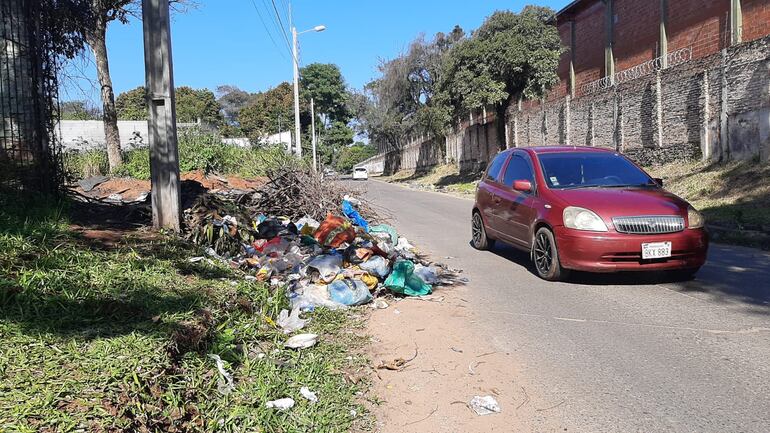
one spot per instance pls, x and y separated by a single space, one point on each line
579 218
695 219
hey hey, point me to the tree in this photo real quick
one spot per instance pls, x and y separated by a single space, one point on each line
94 18
232 100
78 110
400 101
192 105
352 155
197 105
509 56
132 105
268 112
323 83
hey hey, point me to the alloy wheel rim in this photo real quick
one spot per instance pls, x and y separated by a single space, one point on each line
543 254
476 230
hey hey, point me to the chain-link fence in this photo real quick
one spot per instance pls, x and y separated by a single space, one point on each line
29 155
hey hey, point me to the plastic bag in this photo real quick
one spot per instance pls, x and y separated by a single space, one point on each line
349 292
376 265
352 213
334 231
312 296
384 229
307 225
402 280
301 341
291 322
428 274
327 265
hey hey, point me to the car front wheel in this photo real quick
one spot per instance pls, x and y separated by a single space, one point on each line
546 256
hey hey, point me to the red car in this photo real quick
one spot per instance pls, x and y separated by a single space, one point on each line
586 209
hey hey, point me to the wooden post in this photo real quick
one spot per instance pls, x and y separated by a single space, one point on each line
164 153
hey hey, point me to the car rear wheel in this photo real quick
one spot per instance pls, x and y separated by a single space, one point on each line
479 239
546 256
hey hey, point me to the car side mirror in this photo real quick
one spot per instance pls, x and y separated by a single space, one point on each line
522 185
659 181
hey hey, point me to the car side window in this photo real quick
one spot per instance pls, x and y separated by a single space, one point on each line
518 169
495 166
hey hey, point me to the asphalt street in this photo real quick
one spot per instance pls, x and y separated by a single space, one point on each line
614 353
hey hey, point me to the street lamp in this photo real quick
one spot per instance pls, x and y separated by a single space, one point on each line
295 59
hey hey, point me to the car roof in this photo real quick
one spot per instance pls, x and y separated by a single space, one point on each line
565 149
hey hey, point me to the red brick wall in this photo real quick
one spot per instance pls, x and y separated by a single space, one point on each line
589 44
700 24
756 19
637 31
562 88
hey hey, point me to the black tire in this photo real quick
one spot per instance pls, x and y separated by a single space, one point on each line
545 256
683 274
479 238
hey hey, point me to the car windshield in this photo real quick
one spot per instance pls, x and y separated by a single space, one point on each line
571 170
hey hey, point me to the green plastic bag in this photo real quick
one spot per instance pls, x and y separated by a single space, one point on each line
402 280
384 228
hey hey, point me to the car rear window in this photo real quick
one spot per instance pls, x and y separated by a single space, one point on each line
566 170
496 165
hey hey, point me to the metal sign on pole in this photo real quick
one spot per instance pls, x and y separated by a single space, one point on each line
164 153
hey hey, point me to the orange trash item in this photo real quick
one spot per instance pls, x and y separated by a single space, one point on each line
334 231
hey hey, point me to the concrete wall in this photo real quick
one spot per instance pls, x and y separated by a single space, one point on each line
89 134
472 143
715 107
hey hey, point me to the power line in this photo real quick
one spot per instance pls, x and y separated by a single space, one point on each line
280 21
267 30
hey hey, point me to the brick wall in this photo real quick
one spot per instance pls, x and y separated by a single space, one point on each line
636 32
700 24
756 19
589 44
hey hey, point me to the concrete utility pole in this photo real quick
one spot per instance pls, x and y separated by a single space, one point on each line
295 60
164 153
312 132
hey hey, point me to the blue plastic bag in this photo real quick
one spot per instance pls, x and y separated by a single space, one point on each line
352 213
349 292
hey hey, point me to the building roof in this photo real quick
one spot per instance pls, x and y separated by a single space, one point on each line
571 7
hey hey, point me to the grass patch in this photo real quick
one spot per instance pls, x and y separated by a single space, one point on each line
734 194
116 339
441 177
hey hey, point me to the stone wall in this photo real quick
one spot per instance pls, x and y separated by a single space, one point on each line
715 108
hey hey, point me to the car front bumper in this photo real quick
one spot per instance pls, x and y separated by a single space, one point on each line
612 251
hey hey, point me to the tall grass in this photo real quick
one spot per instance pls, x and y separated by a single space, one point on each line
198 150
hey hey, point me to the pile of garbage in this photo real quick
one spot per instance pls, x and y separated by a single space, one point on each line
341 260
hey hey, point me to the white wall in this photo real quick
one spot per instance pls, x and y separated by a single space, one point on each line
89 134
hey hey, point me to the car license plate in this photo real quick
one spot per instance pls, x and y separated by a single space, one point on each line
656 250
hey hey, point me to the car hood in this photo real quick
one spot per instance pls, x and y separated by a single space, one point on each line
614 202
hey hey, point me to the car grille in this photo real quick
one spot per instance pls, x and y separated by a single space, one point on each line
645 225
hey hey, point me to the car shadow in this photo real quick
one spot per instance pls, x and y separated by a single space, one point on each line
731 275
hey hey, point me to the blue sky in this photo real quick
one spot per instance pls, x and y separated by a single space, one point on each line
224 41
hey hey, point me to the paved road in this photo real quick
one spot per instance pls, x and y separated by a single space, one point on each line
615 353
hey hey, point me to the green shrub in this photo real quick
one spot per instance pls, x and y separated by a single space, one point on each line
136 164
87 163
198 150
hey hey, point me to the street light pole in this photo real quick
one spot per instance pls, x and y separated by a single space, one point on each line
295 60
312 131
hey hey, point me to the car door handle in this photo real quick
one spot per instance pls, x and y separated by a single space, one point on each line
497 199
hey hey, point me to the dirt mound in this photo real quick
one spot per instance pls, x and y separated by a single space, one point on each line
126 189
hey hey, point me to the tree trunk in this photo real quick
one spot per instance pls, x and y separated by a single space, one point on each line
98 44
